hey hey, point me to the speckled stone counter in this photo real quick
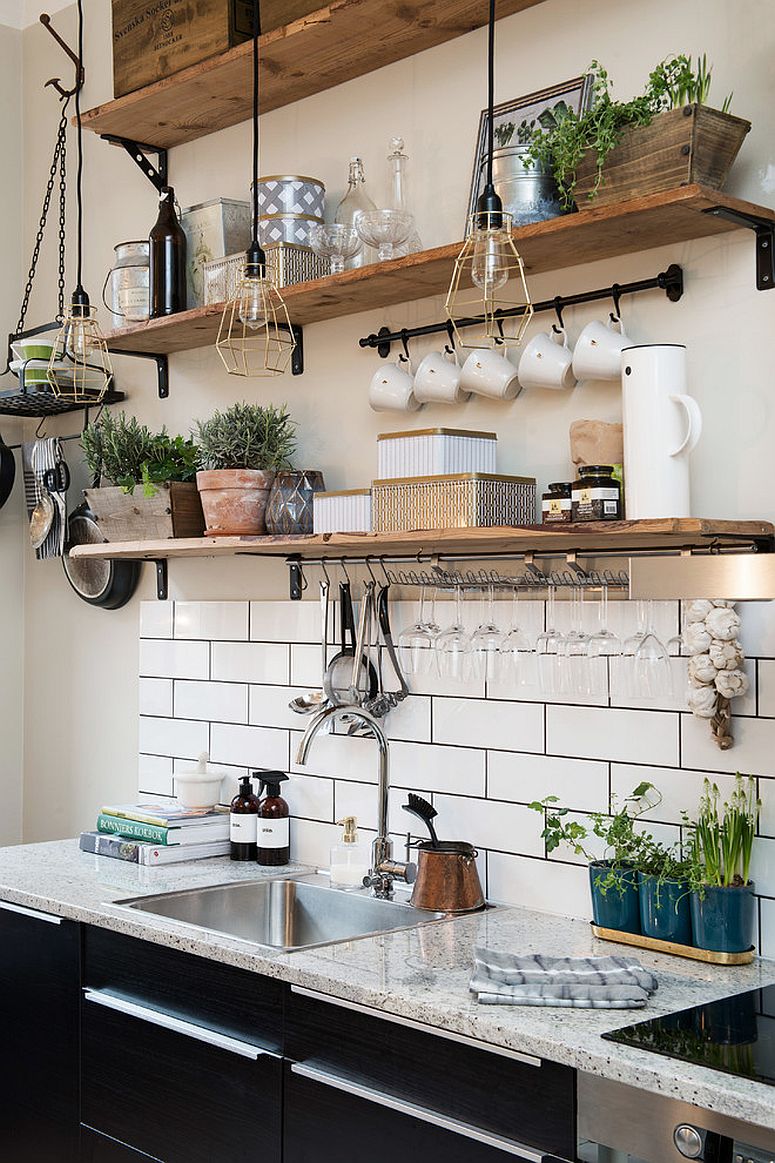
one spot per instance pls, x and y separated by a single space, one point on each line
421 973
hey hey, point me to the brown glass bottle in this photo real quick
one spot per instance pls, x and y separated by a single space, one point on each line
167 259
243 817
273 844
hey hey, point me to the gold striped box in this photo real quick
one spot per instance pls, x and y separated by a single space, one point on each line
345 511
459 501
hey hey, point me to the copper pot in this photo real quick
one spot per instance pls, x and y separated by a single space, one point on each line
447 878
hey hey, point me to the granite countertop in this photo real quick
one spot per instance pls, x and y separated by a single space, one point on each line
422 973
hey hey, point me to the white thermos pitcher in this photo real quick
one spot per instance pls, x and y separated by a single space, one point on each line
662 424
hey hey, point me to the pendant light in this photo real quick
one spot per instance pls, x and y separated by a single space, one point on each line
255 337
80 370
489 259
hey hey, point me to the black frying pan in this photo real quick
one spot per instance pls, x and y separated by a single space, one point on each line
7 471
107 584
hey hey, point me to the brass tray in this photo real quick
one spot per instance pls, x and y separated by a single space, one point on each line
709 956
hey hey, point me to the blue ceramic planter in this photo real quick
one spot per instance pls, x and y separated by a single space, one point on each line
723 918
615 909
665 912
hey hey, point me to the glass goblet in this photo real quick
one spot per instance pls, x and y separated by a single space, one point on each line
337 242
516 651
384 229
415 644
486 641
453 647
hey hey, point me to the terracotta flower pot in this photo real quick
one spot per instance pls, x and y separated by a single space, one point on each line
234 500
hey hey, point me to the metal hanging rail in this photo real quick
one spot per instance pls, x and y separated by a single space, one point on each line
670 281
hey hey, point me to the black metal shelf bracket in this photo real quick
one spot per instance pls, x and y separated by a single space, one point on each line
162 579
671 281
296 582
137 150
764 229
297 358
162 367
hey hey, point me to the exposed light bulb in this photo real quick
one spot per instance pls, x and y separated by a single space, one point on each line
251 309
490 264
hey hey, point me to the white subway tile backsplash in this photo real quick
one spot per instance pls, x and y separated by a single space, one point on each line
311 842
498 725
681 789
767 796
357 799
410 720
601 733
212 621
757 629
766 670
287 621
578 783
562 889
155 696
269 707
489 824
162 659
306 666
430 768
763 866
253 747
218 702
753 752
310 796
338 756
253 662
156 619
174 737
767 940
671 698
154 775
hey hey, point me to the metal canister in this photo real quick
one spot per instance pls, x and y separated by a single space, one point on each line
128 301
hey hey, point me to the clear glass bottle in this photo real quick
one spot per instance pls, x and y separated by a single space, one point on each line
398 178
356 198
350 859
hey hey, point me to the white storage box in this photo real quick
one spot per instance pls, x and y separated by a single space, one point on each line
435 452
348 511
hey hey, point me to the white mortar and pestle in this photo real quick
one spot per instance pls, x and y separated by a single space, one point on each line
200 787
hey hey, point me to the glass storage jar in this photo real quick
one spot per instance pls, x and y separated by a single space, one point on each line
597 494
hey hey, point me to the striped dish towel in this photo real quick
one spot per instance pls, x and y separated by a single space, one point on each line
575 982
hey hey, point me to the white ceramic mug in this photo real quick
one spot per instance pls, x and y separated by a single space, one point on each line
392 388
437 379
547 361
488 373
597 354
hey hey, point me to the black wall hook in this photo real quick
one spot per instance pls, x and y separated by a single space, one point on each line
559 326
616 295
56 82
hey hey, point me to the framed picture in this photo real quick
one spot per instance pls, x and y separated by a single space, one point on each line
514 120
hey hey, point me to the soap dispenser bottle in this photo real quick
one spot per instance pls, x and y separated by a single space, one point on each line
243 818
274 826
350 860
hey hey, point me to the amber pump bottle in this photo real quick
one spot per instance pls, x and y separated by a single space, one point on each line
274 835
167 259
243 820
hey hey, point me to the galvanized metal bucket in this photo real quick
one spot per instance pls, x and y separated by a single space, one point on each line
529 192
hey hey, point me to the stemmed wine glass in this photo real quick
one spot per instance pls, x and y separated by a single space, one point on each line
415 644
602 646
573 653
453 646
548 644
516 652
486 640
652 675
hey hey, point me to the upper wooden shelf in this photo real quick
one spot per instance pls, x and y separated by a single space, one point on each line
671 216
590 537
344 39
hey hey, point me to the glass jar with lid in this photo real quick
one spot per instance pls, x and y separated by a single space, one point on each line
556 504
597 494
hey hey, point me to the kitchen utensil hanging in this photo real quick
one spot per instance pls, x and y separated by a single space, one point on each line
97 581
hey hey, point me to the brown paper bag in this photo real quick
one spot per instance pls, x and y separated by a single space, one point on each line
596 442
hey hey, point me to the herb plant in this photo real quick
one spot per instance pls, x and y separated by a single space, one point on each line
722 836
247 436
560 147
128 453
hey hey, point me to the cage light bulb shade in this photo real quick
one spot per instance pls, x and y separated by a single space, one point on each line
255 336
490 261
80 368
251 308
488 284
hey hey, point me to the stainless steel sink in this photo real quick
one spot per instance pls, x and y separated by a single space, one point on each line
283 914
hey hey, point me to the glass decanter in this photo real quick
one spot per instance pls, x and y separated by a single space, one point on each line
398 178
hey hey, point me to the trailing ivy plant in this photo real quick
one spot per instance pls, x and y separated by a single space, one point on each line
126 453
560 147
247 436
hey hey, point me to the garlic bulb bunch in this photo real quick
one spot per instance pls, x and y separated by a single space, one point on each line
715 668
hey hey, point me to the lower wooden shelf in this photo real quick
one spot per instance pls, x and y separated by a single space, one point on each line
709 956
590 538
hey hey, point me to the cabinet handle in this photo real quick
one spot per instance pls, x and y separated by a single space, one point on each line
25 912
435 1031
338 1082
177 1025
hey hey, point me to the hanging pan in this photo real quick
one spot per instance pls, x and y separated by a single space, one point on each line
7 471
107 584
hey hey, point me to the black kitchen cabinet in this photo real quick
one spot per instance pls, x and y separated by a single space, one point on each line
39 979
97 1148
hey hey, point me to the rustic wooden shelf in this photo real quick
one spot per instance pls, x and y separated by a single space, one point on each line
671 216
591 537
340 41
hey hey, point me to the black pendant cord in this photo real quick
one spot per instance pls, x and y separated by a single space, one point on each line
489 204
80 298
256 264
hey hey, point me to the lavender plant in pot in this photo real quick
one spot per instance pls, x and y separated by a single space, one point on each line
613 878
722 896
240 451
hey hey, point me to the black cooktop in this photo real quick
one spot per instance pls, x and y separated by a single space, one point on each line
735 1034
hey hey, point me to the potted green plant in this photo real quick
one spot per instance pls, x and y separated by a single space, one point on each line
722 893
613 879
666 137
663 893
151 491
240 451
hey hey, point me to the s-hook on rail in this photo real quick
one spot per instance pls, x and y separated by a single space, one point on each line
670 281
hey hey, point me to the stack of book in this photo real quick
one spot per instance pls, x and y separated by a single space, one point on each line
158 833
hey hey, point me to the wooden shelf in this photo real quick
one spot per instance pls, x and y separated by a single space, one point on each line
671 216
591 537
344 39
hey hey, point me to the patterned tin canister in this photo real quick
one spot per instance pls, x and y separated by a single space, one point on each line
287 264
295 228
465 500
213 229
291 194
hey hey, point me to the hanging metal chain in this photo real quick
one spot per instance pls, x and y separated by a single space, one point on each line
58 167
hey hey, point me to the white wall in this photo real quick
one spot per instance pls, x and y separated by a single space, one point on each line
87 749
11 523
